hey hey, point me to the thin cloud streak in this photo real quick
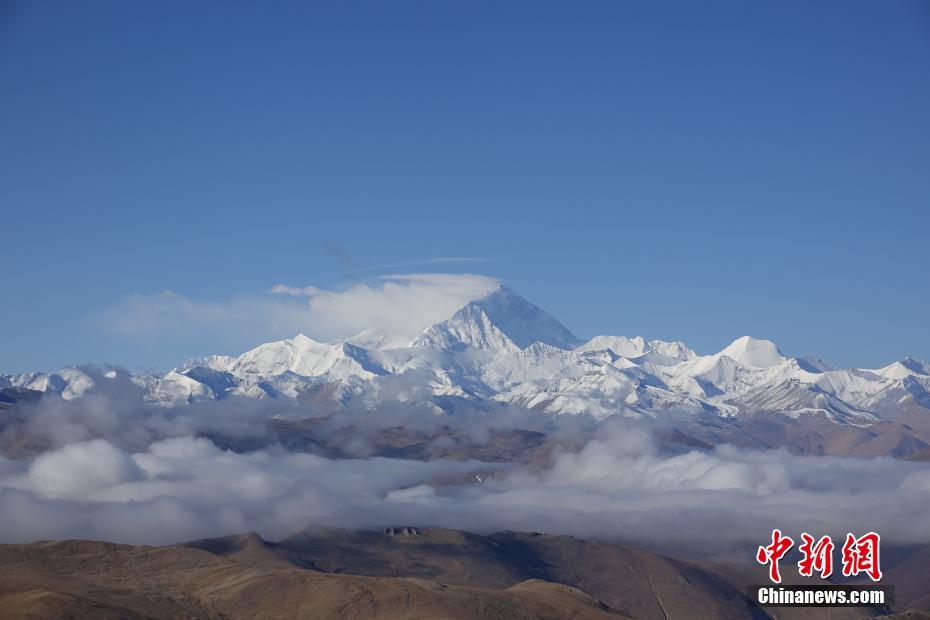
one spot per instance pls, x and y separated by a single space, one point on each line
424 262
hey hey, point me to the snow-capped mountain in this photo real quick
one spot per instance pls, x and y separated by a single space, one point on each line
500 322
503 349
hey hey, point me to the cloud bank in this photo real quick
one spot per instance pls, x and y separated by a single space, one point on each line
402 305
112 470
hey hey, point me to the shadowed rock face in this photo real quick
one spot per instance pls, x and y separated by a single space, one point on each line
12 395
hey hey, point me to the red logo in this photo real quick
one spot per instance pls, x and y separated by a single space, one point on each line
773 553
817 557
860 555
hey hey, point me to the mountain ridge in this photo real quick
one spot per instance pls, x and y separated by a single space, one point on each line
503 349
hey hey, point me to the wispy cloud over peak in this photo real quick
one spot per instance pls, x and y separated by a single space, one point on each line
400 304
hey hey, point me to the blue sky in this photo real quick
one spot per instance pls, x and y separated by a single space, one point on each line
680 170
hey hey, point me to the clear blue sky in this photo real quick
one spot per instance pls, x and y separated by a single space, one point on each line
690 170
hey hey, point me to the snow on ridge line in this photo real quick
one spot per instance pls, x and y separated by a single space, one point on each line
505 348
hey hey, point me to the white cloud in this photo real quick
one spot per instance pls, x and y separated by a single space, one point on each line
398 305
78 469
295 291
402 305
121 472
617 487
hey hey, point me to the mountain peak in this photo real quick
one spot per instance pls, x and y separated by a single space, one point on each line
917 365
303 340
814 364
524 322
908 367
621 345
501 320
378 339
749 351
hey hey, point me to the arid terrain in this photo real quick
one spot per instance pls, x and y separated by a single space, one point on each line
395 573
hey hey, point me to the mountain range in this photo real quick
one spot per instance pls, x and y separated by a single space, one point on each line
502 350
